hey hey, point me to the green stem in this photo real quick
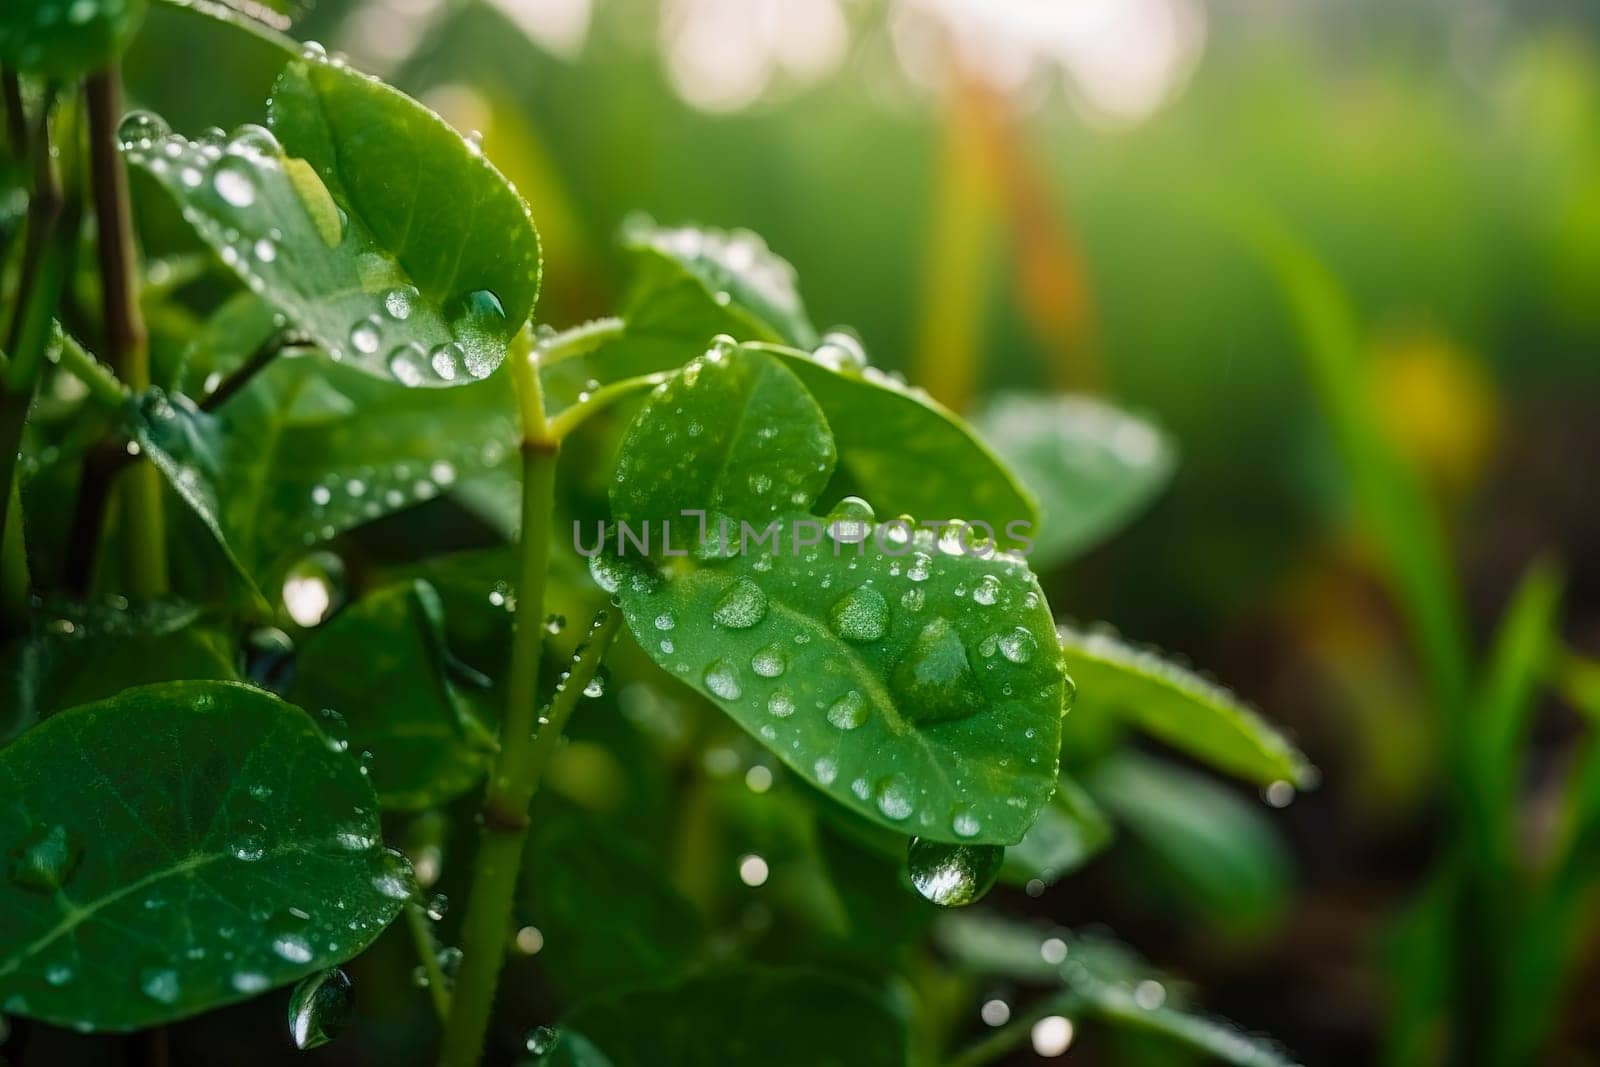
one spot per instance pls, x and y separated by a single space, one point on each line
579 340
428 952
1004 1039
103 385
39 285
127 341
254 364
570 418
515 775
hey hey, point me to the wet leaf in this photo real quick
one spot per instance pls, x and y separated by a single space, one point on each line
692 282
1180 707
909 455
80 653
66 39
427 744
1213 852
1092 466
369 226
211 846
784 1018
917 685
1070 831
733 432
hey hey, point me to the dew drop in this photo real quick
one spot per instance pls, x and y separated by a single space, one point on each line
159 983
320 1007
934 680
953 875
1018 646
140 129
860 615
47 858
987 590
398 302
365 338
770 662
851 521
741 606
233 182
826 770
722 678
893 797
408 363
780 704
849 711
313 588
540 1039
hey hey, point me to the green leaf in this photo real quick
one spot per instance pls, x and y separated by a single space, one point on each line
691 283
917 705
783 1018
918 687
1180 707
732 432
309 450
374 227
1070 831
427 744
1218 852
66 39
909 455
1092 466
609 916
179 847
1120 991
85 652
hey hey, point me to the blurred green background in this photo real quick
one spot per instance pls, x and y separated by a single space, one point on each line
1043 194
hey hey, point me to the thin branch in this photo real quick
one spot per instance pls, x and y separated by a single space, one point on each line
254 364
428 952
570 418
578 341
99 379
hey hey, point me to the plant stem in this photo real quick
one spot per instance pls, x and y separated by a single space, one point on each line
103 385
126 340
568 419
512 780
428 952
27 338
16 118
579 340
240 377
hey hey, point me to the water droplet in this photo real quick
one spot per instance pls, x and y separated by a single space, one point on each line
159 983
780 704
288 939
851 521
408 363
448 361
481 306
849 711
841 351
741 606
953 875
46 858
860 615
770 662
987 590
665 621
253 140
893 797
1018 646
391 875
540 1039
965 823
249 981
365 338
934 680
313 588
722 678
140 129
320 1007
826 770
398 302
233 182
